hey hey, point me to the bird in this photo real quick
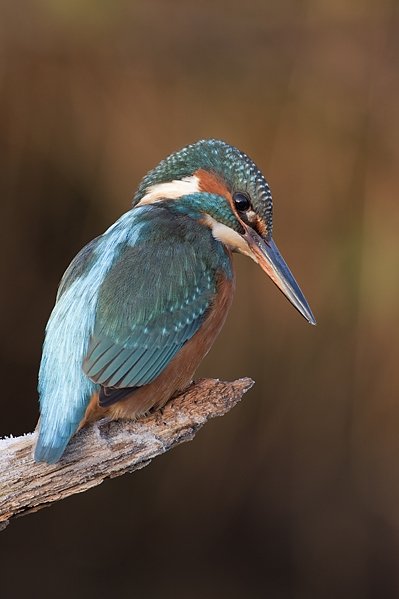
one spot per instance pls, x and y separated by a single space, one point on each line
141 305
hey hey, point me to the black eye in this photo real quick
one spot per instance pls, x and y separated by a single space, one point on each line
241 201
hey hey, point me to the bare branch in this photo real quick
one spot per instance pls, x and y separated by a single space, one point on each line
107 449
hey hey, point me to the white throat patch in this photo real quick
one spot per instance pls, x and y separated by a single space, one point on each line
172 190
229 237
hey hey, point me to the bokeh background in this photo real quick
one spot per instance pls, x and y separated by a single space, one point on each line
296 492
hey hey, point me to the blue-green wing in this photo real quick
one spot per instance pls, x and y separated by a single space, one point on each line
152 301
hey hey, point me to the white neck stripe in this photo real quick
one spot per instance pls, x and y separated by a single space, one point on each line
172 190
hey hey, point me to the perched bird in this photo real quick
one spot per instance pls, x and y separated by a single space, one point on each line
141 305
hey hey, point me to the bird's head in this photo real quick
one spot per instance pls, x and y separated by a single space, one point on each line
225 189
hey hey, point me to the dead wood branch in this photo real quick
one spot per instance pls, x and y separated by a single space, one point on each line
107 449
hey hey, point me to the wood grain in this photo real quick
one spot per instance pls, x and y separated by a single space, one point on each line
107 449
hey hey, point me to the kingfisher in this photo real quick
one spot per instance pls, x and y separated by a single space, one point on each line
141 305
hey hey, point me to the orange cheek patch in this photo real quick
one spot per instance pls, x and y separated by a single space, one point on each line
260 227
211 183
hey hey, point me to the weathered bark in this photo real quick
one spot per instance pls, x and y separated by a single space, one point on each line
107 449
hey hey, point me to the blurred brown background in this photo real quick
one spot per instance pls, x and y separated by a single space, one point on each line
296 492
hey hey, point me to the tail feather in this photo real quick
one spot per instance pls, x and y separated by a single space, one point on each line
51 443
64 389
50 453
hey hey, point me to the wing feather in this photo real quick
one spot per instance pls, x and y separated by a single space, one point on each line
145 314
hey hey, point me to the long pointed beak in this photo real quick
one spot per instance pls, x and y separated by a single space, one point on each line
271 261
